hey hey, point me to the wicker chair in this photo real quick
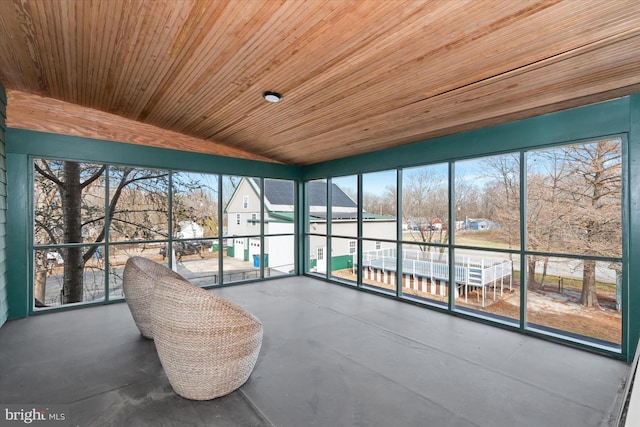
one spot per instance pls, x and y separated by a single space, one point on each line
207 345
139 277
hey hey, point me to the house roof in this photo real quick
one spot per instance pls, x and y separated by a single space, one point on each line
280 192
279 198
356 76
318 195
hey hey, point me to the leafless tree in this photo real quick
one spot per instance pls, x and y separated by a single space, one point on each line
595 193
504 193
546 214
70 201
574 205
380 204
195 198
425 199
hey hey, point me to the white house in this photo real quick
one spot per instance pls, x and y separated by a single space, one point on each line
189 230
243 223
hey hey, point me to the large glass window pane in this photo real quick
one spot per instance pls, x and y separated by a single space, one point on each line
485 284
425 204
487 205
195 205
58 284
69 202
195 219
241 261
344 206
139 200
576 298
317 206
344 260
279 206
279 255
425 273
242 200
379 205
69 207
379 272
574 199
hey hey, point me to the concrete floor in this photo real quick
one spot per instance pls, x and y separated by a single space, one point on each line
331 356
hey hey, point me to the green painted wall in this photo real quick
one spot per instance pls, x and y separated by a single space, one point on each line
18 235
4 308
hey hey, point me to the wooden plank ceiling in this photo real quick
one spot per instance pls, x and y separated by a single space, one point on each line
356 76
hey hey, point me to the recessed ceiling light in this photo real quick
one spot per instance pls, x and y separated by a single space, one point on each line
272 96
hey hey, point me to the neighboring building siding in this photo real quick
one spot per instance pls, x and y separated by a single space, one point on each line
236 206
4 308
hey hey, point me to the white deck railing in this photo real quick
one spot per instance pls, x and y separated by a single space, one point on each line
469 271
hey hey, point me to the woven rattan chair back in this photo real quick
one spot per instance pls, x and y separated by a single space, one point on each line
139 277
207 345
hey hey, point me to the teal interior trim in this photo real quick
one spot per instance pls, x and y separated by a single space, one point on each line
301 219
523 242
605 118
4 302
630 313
43 144
18 238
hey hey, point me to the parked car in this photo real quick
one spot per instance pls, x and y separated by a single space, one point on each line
183 248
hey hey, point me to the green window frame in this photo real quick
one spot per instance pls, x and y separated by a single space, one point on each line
391 283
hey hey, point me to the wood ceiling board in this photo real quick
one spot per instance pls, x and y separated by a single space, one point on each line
343 69
597 72
219 92
246 98
183 86
198 67
334 113
33 112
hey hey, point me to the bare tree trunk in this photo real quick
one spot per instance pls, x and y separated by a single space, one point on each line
531 272
72 231
589 296
545 264
443 253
